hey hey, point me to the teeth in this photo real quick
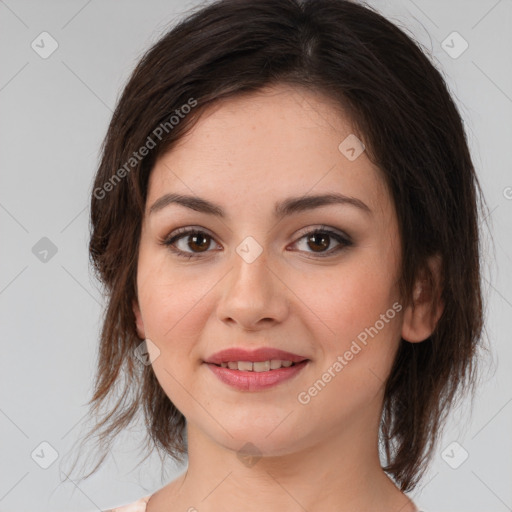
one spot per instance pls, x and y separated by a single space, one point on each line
260 366
245 365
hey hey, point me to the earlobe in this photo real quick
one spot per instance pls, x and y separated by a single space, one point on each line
138 320
421 317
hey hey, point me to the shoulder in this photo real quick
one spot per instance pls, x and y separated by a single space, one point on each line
136 506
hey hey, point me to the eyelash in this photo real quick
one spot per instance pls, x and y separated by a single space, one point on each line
345 242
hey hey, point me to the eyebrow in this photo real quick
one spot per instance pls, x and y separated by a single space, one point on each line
284 208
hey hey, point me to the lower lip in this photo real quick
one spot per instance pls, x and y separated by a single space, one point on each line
254 381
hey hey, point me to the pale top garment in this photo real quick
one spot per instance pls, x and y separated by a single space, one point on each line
140 506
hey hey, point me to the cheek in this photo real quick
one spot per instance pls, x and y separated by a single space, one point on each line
358 353
359 310
172 300
172 303
348 298
169 309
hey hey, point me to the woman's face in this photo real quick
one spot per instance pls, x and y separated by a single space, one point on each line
256 279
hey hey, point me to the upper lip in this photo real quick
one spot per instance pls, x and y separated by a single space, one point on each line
255 355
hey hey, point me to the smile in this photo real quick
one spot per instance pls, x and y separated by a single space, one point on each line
257 366
256 376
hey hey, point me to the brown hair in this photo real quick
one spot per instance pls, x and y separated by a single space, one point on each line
399 106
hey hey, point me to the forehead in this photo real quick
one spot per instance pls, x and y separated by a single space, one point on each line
265 145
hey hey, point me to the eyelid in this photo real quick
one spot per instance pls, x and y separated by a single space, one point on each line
323 228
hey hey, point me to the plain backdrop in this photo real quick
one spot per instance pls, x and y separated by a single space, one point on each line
54 111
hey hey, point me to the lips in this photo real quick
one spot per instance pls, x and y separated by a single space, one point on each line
252 381
255 355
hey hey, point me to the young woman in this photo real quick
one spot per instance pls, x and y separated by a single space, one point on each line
285 219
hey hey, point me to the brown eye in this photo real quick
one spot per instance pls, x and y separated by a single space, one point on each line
320 239
200 241
189 242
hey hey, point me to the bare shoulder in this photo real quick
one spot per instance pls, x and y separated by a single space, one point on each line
136 506
167 497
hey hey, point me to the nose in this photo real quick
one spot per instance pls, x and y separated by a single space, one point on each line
253 296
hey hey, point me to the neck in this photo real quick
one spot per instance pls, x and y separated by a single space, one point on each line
339 472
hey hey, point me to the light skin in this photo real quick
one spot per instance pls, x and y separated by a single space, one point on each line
245 155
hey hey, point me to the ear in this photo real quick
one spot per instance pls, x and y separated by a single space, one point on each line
421 316
138 320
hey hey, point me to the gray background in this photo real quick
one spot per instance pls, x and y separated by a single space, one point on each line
54 114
